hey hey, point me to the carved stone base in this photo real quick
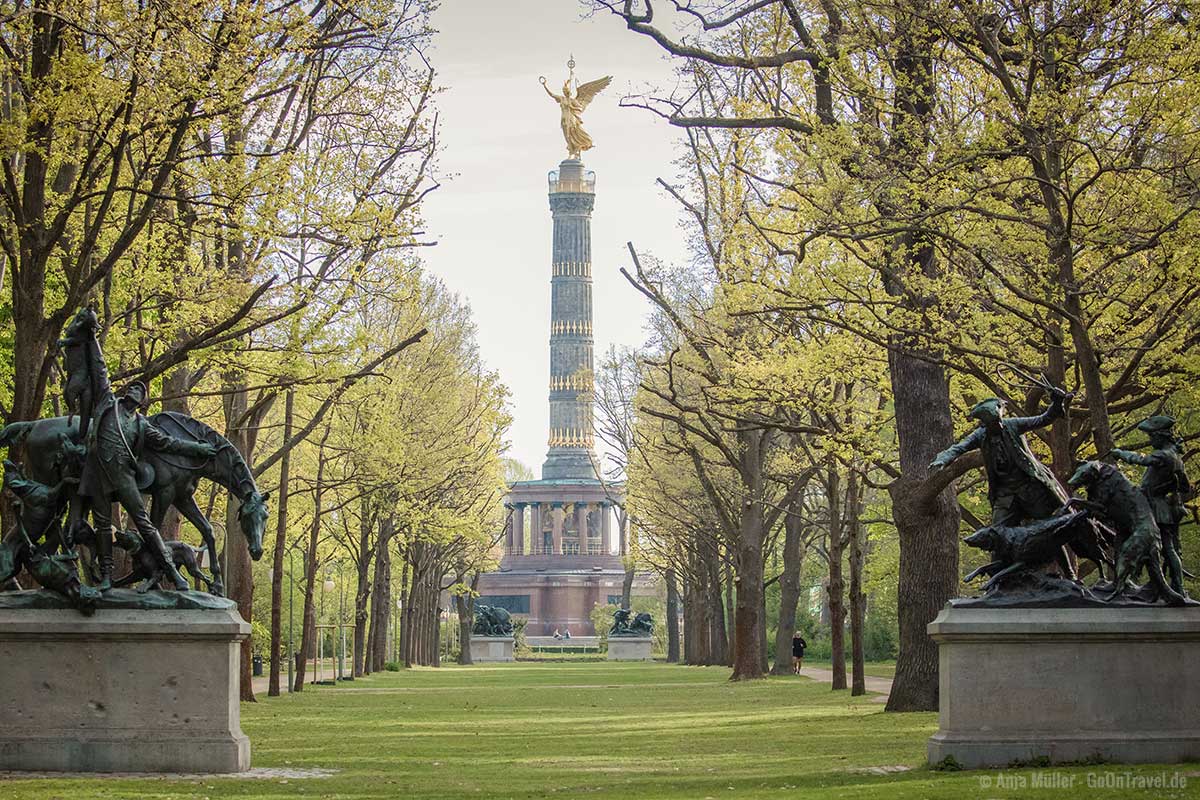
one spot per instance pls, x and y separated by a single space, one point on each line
491 648
629 648
121 691
1068 684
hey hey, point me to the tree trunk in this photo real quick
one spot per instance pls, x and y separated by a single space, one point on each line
1061 453
727 620
381 598
361 598
627 558
174 389
789 590
763 646
362 589
465 606
927 527
697 609
748 621
837 587
408 589
672 618
280 549
719 651
854 509
695 616
32 335
409 634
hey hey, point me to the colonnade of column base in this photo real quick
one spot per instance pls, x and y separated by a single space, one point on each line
542 528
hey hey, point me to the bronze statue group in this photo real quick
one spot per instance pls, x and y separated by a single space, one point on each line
106 452
1038 531
623 625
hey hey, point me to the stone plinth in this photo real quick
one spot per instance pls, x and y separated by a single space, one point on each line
629 648
1067 685
121 691
491 648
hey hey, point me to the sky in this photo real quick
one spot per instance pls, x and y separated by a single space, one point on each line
500 136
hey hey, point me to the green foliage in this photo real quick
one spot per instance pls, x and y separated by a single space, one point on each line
391 666
880 638
947 764
260 638
520 645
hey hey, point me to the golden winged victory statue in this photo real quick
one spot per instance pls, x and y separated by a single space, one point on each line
574 99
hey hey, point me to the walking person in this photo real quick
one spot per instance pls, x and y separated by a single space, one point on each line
798 645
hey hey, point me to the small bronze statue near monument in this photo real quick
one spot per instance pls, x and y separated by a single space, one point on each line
492 621
641 625
107 451
1036 526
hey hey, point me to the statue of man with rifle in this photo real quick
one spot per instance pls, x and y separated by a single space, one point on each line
1020 488
118 436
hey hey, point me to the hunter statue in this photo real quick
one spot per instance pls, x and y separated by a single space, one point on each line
1036 525
492 621
623 625
118 437
107 451
1166 487
1020 488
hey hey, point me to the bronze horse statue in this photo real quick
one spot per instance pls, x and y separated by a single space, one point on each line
169 480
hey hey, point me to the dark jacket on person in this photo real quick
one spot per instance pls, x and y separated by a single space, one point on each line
1165 483
798 645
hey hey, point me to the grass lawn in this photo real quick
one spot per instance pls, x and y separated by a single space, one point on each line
575 730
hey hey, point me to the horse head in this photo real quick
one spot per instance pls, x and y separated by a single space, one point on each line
252 515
